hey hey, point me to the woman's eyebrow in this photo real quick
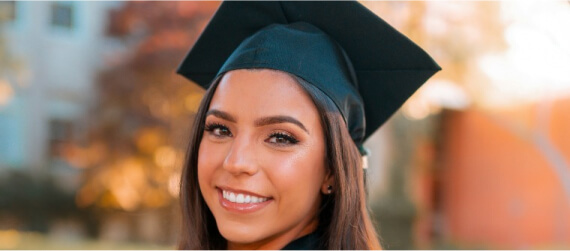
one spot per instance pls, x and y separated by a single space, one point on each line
221 114
279 119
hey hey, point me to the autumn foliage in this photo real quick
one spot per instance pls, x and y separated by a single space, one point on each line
135 136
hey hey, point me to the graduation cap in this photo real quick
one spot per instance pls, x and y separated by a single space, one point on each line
364 65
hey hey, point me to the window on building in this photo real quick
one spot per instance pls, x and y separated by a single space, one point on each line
7 11
62 15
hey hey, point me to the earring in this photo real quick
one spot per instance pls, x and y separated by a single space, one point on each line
329 189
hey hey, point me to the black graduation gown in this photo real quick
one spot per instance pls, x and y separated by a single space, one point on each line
307 242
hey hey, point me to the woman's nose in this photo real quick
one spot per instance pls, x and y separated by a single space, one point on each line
241 158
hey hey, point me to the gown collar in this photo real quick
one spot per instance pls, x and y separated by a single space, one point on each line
307 242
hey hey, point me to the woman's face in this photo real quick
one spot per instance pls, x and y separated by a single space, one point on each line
261 159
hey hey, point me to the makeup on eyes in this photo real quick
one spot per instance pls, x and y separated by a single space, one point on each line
279 137
217 130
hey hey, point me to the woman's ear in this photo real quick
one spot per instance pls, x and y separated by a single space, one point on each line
328 184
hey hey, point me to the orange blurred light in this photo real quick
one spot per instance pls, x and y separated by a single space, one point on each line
9 239
127 197
87 195
192 101
6 92
154 198
165 156
148 139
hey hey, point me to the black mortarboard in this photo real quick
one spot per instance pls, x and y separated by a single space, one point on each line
365 66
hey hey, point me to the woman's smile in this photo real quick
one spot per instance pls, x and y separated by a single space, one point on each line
240 201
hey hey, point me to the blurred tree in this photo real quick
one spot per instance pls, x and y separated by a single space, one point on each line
136 134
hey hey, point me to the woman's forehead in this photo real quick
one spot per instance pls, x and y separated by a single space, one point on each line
250 94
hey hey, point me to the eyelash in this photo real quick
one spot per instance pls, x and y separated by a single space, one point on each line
289 138
212 127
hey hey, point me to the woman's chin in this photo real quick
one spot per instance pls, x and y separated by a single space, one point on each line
240 233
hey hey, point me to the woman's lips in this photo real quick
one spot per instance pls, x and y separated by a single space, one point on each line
241 201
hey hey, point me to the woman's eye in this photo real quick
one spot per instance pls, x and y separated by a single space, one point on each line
218 130
282 139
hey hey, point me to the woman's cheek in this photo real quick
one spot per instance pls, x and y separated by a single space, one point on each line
209 158
294 171
211 153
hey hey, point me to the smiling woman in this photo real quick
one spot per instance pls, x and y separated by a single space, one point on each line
274 160
256 167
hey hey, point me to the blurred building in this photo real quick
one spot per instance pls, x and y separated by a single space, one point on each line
55 50
50 54
505 177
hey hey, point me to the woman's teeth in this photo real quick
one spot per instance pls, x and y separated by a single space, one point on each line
241 198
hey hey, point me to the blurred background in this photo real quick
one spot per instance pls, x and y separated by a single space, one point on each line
94 125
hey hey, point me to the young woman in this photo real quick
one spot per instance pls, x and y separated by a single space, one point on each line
274 160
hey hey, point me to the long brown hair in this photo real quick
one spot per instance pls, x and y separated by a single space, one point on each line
344 222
